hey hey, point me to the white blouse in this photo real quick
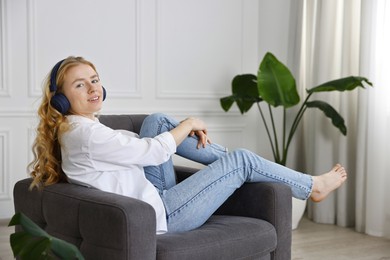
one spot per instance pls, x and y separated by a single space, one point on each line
97 156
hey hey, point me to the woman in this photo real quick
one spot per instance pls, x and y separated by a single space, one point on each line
72 145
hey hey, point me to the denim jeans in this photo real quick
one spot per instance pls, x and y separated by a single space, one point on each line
191 202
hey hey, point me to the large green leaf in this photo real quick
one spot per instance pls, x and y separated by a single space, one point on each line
227 102
343 84
35 243
331 113
65 250
27 246
28 225
275 82
245 93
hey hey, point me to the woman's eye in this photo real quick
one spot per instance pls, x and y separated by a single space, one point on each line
95 81
80 85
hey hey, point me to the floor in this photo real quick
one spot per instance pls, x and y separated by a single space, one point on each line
5 249
311 241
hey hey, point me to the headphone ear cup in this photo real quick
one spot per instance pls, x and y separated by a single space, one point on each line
104 93
60 102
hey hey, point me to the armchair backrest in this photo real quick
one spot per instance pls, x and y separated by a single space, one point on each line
127 122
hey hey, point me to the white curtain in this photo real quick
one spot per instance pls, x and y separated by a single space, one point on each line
337 39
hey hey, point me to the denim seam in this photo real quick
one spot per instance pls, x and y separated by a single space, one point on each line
205 189
275 177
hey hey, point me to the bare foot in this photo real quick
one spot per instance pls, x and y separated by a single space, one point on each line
324 184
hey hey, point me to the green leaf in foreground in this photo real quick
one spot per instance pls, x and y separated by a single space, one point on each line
34 243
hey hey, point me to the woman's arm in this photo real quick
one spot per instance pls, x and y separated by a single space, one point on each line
191 126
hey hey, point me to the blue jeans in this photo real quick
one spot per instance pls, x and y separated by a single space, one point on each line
191 202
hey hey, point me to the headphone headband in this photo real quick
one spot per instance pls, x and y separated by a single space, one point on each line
53 76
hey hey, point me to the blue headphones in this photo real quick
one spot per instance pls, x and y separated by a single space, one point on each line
59 101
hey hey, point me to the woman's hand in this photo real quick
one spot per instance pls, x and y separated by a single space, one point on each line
199 129
202 138
190 127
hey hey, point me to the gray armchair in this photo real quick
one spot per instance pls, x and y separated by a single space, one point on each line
254 223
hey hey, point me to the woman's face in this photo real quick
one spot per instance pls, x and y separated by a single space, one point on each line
83 89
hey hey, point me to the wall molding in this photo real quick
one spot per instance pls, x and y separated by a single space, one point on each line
4 89
4 169
33 89
209 113
231 128
176 112
137 92
5 113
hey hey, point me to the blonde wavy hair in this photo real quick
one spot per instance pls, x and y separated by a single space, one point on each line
46 165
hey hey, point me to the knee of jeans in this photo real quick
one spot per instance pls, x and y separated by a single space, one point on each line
155 116
242 153
246 157
149 125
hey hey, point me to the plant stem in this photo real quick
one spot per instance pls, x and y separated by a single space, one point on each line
277 158
295 124
284 139
267 130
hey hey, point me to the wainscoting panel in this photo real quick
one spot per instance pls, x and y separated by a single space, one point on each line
3 85
15 153
104 33
4 159
196 56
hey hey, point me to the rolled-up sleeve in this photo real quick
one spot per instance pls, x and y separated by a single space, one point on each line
126 149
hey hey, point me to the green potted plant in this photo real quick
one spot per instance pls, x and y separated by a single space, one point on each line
275 85
34 243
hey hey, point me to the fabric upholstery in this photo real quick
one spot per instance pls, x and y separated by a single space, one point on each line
223 237
254 223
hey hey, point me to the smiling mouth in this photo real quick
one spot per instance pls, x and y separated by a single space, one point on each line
93 99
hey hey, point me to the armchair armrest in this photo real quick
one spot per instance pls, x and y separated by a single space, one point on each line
103 225
268 201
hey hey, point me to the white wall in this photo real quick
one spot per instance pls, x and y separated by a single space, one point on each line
172 56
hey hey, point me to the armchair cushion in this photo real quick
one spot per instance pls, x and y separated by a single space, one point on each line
222 237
